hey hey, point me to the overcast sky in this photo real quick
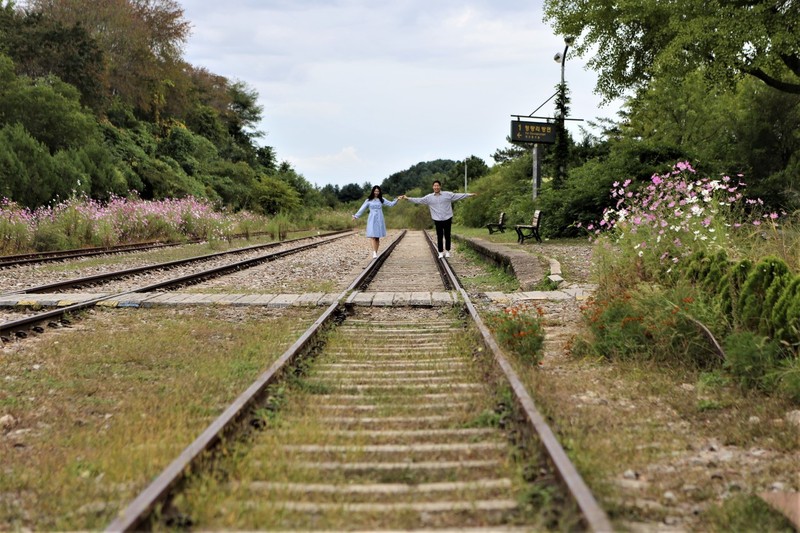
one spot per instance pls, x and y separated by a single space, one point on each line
355 90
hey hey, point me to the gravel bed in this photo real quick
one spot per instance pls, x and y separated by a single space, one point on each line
328 268
35 275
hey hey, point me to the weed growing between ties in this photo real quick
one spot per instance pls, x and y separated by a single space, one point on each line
518 328
102 408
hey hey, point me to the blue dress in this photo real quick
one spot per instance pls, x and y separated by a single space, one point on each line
376 225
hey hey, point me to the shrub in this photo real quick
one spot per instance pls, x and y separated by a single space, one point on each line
676 215
650 322
518 328
752 359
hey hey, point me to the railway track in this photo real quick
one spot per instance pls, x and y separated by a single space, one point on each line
7 261
54 317
392 416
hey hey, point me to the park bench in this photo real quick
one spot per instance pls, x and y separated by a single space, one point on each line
526 231
500 225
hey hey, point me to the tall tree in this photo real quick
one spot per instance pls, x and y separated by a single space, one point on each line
143 41
633 40
43 47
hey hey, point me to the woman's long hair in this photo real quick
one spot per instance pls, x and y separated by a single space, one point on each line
372 194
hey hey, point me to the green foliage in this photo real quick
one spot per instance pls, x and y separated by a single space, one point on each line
650 322
26 168
746 512
192 152
506 188
49 110
519 329
634 42
785 319
751 359
272 196
787 376
731 288
40 46
759 293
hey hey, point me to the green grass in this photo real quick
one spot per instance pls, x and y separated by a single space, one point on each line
102 410
490 277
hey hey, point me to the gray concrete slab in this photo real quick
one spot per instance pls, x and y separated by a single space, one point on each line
498 297
70 299
229 299
308 299
329 298
420 299
194 298
283 300
250 299
153 299
129 300
363 298
401 298
544 295
10 300
46 300
383 299
578 293
440 299
175 298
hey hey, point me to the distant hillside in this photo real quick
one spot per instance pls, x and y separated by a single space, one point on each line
419 175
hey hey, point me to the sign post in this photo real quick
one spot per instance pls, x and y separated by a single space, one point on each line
524 131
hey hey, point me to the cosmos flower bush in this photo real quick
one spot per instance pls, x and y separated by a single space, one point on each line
677 214
81 221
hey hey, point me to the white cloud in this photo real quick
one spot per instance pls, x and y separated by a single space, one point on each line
354 91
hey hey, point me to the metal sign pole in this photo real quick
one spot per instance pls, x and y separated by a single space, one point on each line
536 170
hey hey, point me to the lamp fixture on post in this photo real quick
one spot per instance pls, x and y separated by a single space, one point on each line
547 130
562 146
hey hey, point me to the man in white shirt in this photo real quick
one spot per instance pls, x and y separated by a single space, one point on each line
440 204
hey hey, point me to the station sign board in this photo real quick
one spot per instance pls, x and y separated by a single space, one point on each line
533 132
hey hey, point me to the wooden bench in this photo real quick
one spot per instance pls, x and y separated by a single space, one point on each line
526 231
500 225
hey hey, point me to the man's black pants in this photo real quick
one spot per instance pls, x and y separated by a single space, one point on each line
443 230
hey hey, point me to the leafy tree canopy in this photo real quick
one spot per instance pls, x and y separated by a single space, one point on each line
635 40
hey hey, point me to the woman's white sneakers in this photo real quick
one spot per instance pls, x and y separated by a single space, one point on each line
441 255
374 255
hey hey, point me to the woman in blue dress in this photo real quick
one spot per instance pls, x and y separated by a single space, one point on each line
376 225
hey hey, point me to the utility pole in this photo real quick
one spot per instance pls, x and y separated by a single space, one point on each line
465 174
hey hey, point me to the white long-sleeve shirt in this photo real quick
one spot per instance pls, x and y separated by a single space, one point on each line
441 205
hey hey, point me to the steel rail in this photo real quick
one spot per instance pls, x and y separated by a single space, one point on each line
133 516
595 517
378 262
22 324
88 280
446 281
61 255
137 512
